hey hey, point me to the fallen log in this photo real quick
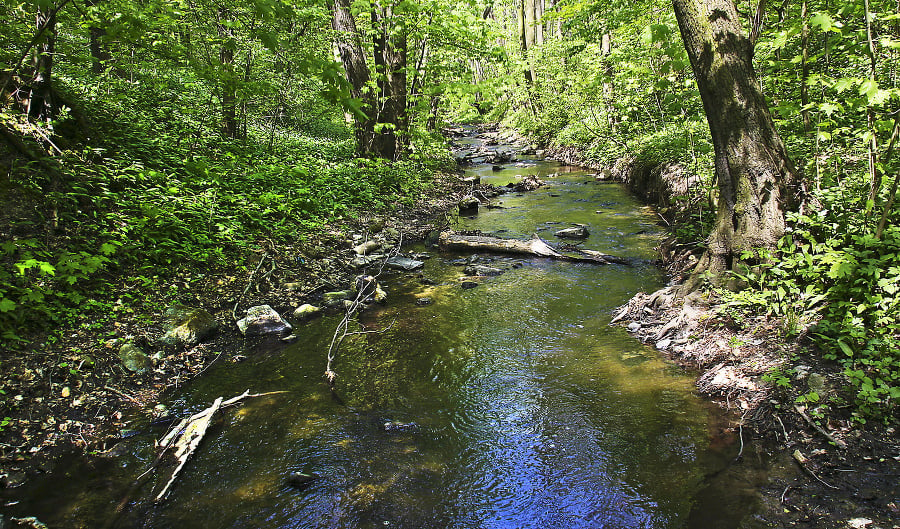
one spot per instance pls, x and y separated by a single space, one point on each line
536 247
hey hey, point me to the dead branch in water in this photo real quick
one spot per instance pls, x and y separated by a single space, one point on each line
536 247
367 288
185 437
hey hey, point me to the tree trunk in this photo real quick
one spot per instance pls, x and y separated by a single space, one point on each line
804 66
390 45
350 49
41 105
226 58
756 178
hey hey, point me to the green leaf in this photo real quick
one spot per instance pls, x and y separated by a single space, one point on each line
822 20
846 348
7 305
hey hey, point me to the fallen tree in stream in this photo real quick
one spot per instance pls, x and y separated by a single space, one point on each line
535 246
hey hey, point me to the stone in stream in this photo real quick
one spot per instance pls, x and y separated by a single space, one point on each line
404 263
468 205
188 326
468 285
262 320
481 270
366 247
397 427
575 232
336 297
300 480
306 312
496 168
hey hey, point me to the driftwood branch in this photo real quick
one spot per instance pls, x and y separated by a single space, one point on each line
536 247
185 437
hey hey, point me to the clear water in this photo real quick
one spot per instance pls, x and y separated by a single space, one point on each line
529 409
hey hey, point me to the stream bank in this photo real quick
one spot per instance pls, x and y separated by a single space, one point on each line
827 469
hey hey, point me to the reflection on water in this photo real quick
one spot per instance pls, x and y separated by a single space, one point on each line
520 406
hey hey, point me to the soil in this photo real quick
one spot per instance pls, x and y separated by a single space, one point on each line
78 395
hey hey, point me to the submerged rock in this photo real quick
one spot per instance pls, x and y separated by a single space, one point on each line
300 479
397 426
575 232
263 320
188 326
468 284
134 359
482 270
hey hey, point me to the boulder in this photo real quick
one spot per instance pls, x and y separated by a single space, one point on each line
263 320
575 232
366 247
306 312
468 205
188 326
134 359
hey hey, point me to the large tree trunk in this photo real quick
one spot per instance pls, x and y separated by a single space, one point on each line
756 178
350 49
390 44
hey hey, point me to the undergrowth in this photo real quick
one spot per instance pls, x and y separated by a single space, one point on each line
140 199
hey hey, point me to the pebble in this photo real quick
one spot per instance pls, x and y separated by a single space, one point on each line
634 326
663 344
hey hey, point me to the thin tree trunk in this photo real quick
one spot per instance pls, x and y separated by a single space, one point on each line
228 94
756 178
874 173
804 66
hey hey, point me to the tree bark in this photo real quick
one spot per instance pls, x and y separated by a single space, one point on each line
350 49
40 97
756 177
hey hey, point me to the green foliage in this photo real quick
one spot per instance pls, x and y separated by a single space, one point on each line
836 279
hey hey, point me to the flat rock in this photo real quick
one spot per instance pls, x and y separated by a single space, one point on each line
404 263
263 320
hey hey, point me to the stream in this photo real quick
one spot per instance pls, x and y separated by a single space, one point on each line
511 404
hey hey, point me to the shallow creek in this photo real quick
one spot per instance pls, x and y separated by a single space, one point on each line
512 404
